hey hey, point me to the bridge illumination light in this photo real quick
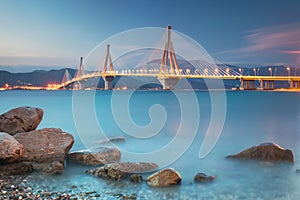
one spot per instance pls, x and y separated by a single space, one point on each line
206 71
270 70
216 70
254 71
227 70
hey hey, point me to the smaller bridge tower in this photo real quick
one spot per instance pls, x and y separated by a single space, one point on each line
80 72
108 70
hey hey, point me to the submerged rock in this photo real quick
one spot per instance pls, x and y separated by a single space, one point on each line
10 149
201 177
98 156
297 170
265 152
16 169
119 171
22 119
164 178
45 145
111 139
55 167
135 178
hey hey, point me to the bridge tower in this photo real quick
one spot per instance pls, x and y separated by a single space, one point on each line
66 78
80 72
108 70
168 60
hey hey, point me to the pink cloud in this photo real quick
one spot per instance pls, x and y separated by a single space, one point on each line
292 52
275 38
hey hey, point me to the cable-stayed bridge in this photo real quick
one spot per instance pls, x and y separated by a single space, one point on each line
169 71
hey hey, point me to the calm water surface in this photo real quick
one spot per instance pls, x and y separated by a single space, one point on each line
252 117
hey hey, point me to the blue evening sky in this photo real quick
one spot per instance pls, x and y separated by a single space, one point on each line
57 32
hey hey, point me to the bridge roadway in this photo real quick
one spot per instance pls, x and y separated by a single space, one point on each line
245 80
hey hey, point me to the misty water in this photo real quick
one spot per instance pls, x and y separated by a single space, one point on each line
252 117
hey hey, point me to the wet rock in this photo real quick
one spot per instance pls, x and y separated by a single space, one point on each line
98 156
135 178
10 149
111 139
203 178
55 167
16 169
129 197
265 152
164 178
22 119
45 145
119 171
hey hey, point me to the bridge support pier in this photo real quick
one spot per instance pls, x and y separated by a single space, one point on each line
294 84
168 83
291 83
247 84
267 84
107 82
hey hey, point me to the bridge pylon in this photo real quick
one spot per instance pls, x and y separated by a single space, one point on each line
80 72
66 78
168 60
108 70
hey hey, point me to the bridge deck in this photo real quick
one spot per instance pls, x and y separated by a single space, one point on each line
200 76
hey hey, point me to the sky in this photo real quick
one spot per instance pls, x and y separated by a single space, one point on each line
58 32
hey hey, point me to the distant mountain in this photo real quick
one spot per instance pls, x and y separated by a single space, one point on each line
35 78
27 68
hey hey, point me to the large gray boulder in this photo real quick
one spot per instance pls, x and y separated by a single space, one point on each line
45 145
22 119
163 178
97 156
265 152
10 149
119 171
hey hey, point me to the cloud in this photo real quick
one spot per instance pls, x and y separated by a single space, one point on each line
292 52
269 41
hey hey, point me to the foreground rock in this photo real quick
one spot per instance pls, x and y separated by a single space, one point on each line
297 170
135 178
119 171
22 119
10 149
203 178
45 146
55 167
265 152
16 169
164 178
111 139
99 156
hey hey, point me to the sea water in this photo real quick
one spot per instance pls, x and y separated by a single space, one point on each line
251 118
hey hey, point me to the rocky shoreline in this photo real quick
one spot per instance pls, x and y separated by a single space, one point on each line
20 187
24 150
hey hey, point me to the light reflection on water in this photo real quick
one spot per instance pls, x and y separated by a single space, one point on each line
252 118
